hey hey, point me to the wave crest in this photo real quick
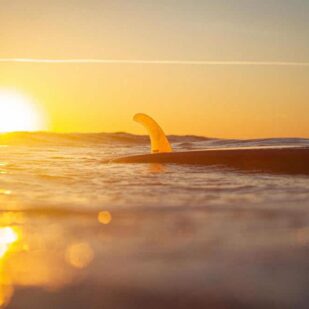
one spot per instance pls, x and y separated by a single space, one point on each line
123 138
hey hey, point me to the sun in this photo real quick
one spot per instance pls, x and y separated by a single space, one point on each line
18 113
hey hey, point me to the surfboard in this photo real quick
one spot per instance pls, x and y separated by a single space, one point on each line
291 160
282 160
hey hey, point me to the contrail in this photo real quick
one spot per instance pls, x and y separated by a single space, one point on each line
159 62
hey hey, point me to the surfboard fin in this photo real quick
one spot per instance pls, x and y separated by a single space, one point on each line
159 141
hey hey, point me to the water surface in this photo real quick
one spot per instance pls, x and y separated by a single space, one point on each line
76 232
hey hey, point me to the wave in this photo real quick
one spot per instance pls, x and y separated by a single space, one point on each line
69 139
123 138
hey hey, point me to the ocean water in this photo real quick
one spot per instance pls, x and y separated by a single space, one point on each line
77 232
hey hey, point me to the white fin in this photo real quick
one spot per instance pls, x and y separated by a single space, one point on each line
159 142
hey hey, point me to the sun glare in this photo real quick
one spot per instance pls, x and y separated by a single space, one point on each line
18 113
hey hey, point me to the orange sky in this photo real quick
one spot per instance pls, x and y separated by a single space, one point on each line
221 101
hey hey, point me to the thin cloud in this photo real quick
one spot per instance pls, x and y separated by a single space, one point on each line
159 62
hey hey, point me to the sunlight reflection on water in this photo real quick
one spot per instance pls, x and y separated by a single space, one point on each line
27 258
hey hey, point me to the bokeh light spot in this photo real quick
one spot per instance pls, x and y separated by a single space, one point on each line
104 217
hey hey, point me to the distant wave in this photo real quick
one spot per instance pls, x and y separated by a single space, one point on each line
68 139
156 62
178 141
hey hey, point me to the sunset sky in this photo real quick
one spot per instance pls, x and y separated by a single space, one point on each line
221 100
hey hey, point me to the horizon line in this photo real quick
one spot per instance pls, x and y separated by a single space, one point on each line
160 62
